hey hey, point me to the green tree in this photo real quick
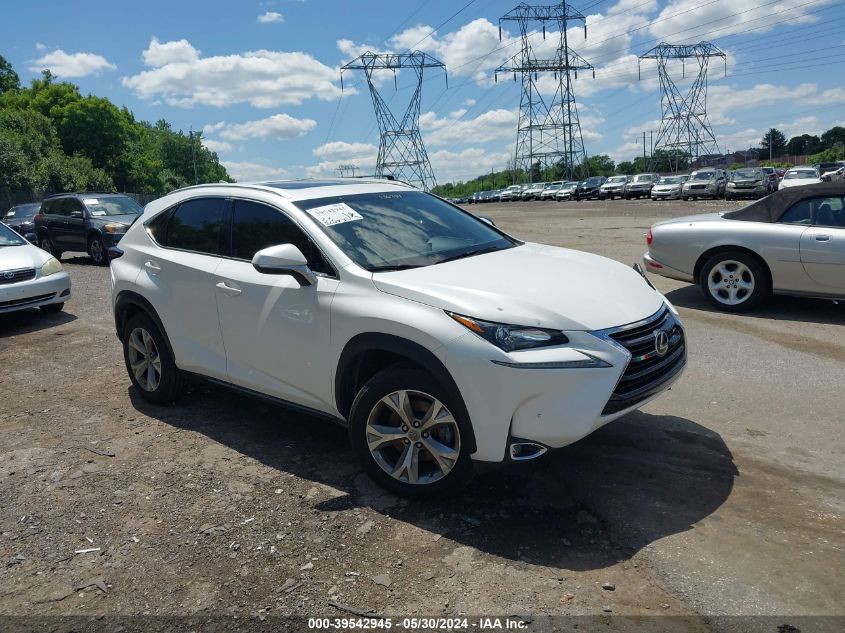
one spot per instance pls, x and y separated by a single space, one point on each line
625 167
803 144
834 137
600 165
9 80
773 144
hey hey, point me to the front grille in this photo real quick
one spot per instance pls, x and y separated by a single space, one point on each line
698 186
26 301
14 276
647 372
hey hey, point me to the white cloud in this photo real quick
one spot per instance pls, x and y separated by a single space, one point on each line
270 17
211 128
486 127
688 20
40 47
217 146
65 64
341 150
278 126
264 79
467 164
337 153
252 172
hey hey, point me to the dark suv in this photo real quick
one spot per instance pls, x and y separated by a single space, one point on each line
588 188
89 222
21 219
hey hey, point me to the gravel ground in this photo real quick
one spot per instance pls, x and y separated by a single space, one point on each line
724 497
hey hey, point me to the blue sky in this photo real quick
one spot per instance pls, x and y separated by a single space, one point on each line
261 78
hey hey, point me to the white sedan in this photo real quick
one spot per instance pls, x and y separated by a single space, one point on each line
29 277
802 175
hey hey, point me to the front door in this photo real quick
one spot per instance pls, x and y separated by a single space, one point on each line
823 244
276 332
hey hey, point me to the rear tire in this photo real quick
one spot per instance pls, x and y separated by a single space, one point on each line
46 244
734 281
151 368
420 462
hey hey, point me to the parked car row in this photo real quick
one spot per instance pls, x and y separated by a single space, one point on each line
707 182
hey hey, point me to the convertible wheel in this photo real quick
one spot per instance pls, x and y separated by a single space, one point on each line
407 433
734 281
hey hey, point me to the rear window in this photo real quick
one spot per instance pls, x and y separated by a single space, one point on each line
196 225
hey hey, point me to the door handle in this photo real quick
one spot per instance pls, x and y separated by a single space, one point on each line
822 238
152 268
225 288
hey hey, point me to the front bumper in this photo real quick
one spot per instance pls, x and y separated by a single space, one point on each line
746 192
35 292
667 194
553 407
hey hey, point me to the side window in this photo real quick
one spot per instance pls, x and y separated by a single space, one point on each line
196 225
829 212
60 207
157 227
799 213
256 226
72 205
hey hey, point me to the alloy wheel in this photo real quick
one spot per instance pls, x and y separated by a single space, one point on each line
98 253
731 282
413 437
144 359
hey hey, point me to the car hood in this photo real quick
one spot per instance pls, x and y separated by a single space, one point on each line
667 186
690 219
24 256
532 284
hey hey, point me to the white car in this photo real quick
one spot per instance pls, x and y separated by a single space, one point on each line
668 188
613 186
29 277
797 176
833 175
439 341
550 190
566 190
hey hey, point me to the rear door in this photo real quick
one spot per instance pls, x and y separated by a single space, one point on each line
74 232
56 215
276 332
177 277
823 244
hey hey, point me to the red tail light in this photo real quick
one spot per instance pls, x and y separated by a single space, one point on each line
36 217
649 238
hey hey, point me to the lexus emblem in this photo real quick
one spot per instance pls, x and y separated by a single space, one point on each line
661 342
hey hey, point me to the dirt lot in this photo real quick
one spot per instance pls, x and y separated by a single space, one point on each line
724 497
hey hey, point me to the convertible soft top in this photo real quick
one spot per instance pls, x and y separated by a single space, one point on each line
770 208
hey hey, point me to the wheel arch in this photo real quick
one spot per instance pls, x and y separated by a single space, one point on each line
368 353
699 264
128 304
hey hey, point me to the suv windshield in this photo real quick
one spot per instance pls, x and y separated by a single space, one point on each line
9 238
112 205
671 180
747 173
617 179
800 173
402 229
703 175
22 211
642 178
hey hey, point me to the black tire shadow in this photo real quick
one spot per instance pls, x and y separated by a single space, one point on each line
31 320
587 506
776 307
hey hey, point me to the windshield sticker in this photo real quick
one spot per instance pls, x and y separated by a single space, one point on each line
332 214
91 201
97 213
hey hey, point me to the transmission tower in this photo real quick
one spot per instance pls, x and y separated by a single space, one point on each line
401 152
548 131
684 127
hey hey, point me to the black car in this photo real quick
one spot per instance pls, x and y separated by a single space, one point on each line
85 222
21 219
588 188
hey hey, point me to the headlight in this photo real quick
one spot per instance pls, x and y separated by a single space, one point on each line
731 184
510 338
115 228
51 267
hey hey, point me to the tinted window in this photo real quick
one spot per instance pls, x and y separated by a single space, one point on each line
829 212
72 205
256 226
57 206
799 213
196 226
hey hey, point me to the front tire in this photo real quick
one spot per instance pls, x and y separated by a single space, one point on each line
97 251
734 281
148 361
409 436
46 244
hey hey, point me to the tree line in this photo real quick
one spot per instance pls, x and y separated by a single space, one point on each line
829 146
55 139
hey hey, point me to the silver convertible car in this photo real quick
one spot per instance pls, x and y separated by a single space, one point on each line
791 242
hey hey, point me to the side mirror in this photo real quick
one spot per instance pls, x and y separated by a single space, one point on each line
284 259
76 214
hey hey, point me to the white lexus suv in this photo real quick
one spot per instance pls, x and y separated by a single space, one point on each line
438 340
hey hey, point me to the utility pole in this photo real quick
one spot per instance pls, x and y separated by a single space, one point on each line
770 144
401 152
684 126
193 154
548 131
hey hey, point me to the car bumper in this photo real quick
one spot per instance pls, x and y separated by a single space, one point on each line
668 195
553 407
746 193
35 292
658 268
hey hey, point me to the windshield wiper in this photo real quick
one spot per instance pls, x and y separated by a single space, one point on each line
391 267
477 251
